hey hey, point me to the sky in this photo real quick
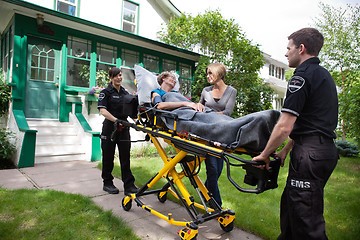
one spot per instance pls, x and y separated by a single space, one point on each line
264 22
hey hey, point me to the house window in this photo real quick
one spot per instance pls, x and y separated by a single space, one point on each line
67 6
151 63
169 65
130 13
42 63
128 80
185 79
7 53
78 62
106 59
129 58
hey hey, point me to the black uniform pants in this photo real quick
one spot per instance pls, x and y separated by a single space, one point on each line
312 160
108 152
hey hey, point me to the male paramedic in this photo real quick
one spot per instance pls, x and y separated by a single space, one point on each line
309 117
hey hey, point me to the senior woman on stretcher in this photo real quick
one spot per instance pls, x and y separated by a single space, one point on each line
250 132
167 81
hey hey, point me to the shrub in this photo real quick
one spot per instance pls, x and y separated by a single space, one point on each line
346 149
5 94
7 149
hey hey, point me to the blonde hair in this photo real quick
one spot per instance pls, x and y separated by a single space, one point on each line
217 69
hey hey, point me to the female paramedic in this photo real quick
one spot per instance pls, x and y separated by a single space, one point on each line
220 98
110 104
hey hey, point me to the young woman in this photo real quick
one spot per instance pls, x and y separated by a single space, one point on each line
220 98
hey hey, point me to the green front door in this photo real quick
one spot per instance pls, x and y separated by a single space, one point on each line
42 82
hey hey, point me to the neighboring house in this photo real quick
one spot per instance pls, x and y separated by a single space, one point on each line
273 73
53 51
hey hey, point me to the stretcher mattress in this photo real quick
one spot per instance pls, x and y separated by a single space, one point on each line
250 132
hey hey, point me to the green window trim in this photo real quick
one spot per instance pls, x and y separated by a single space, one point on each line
7 53
123 56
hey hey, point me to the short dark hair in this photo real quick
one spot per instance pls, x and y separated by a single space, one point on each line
113 72
312 39
163 75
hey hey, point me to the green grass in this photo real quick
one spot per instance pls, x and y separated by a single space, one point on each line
259 213
47 214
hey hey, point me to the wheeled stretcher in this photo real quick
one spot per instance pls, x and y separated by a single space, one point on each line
191 152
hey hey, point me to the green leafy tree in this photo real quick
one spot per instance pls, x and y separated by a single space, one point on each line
349 100
221 40
341 55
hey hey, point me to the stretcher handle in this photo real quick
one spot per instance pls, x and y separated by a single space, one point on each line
265 179
257 163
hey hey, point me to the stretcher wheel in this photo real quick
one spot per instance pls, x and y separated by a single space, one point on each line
126 203
188 234
162 196
227 222
228 228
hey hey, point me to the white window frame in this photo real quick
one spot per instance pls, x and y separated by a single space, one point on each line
136 12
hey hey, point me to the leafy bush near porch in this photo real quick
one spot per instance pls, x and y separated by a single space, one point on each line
6 149
5 94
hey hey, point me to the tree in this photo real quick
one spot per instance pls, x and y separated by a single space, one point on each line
341 55
221 40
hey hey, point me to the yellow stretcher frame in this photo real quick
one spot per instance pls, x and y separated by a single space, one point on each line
191 152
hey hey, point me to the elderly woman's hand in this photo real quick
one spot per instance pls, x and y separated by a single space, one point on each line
200 107
197 106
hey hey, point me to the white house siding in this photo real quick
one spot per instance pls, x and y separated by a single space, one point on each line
109 13
43 3
277 84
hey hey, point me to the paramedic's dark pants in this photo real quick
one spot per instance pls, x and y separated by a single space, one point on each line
312 160
108 152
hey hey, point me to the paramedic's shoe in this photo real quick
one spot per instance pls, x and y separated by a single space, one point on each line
130 190
111 189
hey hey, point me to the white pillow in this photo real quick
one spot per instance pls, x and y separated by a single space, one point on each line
146 82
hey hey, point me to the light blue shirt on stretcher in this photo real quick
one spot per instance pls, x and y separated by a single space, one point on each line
160 92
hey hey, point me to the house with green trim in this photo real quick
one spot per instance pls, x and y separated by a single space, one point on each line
54 51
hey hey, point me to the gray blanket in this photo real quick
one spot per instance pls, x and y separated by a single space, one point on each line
250 132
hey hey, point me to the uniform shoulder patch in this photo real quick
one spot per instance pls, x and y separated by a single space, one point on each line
101 96
296 83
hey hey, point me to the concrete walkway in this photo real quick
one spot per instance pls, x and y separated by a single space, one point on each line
84 178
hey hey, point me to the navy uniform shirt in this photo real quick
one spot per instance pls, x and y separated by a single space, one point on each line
112 101
312 97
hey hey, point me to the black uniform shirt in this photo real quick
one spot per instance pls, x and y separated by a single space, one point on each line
112 100
312 97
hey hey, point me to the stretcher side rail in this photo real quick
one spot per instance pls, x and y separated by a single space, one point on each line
255 176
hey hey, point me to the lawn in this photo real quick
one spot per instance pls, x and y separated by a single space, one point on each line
47 214
259 213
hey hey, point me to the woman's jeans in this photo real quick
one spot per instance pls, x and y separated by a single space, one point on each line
214 167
